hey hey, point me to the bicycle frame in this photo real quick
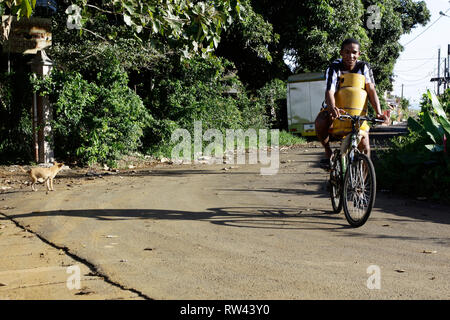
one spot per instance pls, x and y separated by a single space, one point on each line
350 144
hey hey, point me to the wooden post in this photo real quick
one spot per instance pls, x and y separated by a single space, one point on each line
41 65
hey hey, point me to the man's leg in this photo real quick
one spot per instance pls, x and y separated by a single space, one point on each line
364 145
323 123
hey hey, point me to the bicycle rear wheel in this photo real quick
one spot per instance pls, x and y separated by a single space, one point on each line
336 182
359 190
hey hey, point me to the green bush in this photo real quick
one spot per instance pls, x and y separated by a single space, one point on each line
273 97
419 164
427 105
409 169
199 90
207 90
97 118
16 132
94 122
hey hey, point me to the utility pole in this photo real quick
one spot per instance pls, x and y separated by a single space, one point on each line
445 78
445 74
439 70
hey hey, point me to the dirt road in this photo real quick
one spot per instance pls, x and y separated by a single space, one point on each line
220 232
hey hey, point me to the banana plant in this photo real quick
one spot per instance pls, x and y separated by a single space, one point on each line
435 125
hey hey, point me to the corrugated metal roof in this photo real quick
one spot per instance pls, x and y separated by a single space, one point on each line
303 77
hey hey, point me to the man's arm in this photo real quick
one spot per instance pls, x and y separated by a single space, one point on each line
331 104
331 83
329 99
373 98
374 101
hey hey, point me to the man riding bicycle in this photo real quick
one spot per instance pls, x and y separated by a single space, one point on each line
349 63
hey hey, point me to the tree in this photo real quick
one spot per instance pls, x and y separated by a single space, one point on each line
20 8
309 34
265 33
247 43
404 103
398 17
194 25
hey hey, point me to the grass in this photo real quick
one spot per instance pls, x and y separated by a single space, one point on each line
289 139
285 139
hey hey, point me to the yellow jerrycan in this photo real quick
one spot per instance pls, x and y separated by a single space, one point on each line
351 97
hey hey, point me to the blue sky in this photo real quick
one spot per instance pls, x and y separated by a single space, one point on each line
418 62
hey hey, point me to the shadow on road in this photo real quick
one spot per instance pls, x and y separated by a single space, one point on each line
246 217
268 218
407 209
175 172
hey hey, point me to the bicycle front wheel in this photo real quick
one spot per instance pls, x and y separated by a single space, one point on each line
359 190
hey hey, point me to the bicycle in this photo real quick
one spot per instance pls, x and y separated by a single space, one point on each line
352 176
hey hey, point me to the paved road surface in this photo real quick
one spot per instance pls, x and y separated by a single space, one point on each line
202 232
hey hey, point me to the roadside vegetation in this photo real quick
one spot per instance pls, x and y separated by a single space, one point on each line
419 164
124 83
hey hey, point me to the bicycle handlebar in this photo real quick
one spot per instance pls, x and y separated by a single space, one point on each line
360 118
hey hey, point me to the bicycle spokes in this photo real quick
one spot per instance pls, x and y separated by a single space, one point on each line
359 190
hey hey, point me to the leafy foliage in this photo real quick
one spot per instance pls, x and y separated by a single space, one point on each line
94 121
247 43
398 17
163 51
19 8
200 90
273 97
193 27
419 164
309 34
93 50
196 25
426 103
15 119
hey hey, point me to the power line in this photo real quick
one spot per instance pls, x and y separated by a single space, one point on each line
416 59
414 68
425 29
417 81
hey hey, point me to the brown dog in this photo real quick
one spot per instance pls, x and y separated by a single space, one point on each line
48 174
